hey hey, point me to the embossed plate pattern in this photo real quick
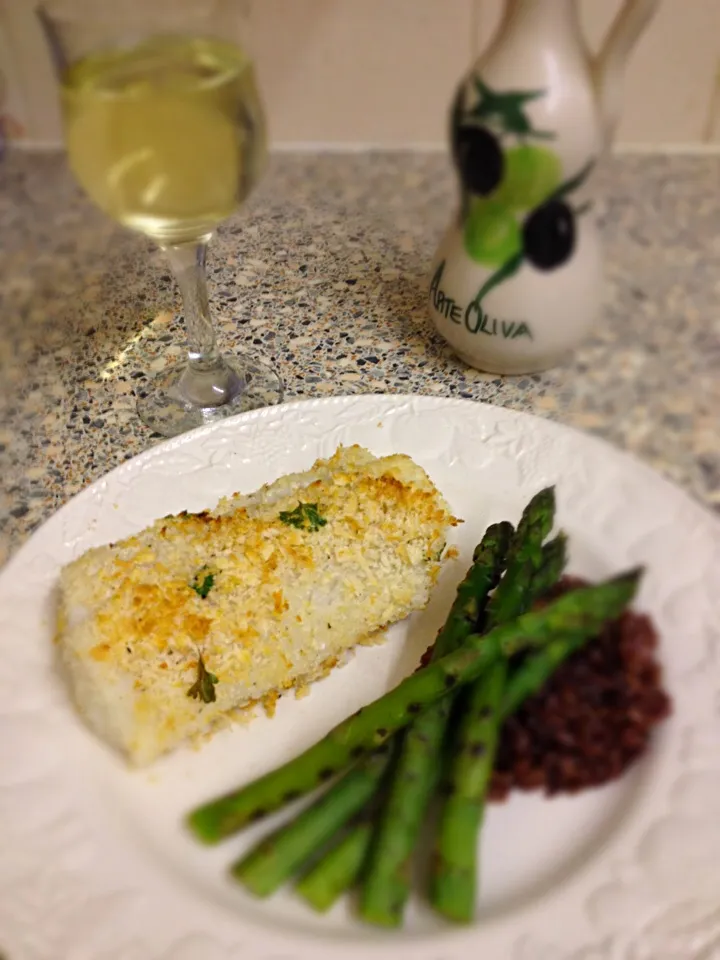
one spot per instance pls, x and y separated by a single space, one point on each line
94 864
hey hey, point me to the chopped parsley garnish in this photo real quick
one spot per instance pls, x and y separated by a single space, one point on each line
204 687
203 583
305 516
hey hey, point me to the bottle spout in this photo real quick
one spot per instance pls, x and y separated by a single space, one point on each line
609 63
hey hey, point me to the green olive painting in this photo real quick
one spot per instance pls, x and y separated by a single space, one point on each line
516 207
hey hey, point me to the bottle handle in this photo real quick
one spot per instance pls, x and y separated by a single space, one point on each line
610 61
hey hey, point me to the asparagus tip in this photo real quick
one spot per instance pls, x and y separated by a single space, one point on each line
544 497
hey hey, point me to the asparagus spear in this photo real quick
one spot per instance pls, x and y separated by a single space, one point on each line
454 870
386 883
415 772
577 614
453 891
552 564
525 558
535 672
338 869
276 858
454 867
488 562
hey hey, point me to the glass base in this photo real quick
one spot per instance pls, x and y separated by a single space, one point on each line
248 384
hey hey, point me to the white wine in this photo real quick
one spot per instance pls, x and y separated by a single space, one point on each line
168 136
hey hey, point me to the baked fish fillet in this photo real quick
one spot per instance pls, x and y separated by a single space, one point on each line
166 633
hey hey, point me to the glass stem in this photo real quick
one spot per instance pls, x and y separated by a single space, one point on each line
188 264
207 380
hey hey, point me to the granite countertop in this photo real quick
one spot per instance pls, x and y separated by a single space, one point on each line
325 274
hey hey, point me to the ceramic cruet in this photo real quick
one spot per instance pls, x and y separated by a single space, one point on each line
516 281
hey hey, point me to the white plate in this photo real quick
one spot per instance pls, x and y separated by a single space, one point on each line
94 863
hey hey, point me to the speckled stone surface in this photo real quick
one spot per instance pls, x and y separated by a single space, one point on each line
324 273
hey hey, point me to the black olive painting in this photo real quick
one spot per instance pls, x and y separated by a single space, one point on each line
516 207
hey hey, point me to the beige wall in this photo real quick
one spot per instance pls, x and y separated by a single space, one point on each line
344 72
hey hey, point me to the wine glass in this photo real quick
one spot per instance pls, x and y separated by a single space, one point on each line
165 132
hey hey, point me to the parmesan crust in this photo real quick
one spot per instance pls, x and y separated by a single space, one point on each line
286 602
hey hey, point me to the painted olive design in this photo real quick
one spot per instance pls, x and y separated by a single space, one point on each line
549 235
479 159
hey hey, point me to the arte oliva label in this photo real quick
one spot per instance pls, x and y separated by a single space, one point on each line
472 316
